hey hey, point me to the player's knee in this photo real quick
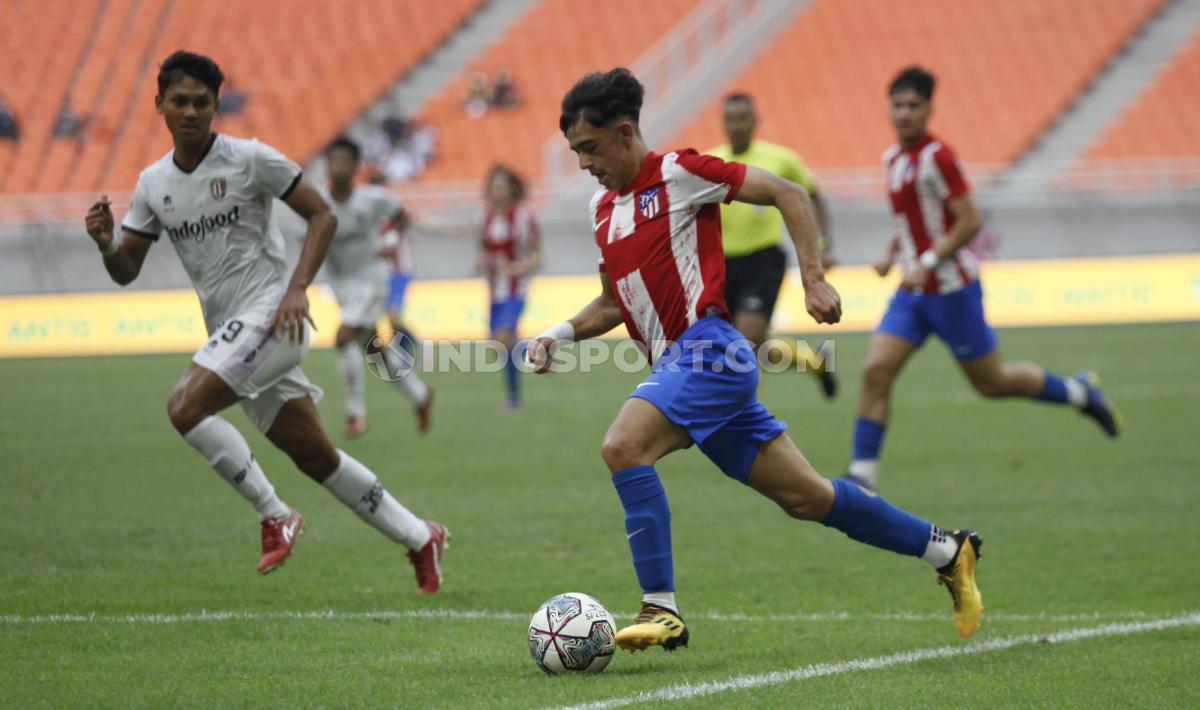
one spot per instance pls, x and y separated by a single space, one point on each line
345 336
183 415
877 376
621 452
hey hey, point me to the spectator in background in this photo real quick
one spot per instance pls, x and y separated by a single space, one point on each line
479 96
69 124
8 122
504 89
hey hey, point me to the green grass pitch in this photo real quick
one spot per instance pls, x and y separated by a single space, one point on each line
105 511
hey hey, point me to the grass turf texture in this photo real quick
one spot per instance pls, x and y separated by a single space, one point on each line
106 510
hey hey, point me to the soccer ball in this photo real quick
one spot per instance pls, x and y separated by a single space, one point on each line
572 633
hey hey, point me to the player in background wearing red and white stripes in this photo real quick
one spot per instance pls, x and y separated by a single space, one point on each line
662 274
935 219
510 251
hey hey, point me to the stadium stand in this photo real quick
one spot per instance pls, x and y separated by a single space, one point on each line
555 43
1161 123
820 86
307 74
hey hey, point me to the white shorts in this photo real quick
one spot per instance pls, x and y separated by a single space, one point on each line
258 366
362 299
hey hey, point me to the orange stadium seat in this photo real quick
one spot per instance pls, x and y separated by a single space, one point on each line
307 71
1161 122
1005 71
555 43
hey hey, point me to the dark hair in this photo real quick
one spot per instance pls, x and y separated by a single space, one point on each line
602 98
740 97
183 63
914 78
344 143
514 181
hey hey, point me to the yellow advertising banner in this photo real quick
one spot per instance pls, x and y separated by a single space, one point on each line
1090 291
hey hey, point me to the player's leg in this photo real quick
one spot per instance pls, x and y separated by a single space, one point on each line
399 353
638 437
352 368
886 355
296 430
960 323
192 408
781 473
505 315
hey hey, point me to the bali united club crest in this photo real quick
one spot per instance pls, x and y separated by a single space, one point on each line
218 187
650 202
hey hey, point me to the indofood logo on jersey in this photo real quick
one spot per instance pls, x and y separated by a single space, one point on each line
650 202
200 228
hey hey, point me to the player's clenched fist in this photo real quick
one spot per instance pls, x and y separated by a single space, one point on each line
823 303
99 222
537 355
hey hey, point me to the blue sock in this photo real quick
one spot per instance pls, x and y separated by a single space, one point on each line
647 526
868 518
510 378
868 439
1053 390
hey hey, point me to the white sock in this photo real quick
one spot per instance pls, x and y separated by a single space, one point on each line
353 371
1076 392
224 448
360 490
664 599
866 470
408 383
941 548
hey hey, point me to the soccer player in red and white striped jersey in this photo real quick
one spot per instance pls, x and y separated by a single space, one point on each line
935 218
658 227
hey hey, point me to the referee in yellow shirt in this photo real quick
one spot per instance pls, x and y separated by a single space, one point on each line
755 262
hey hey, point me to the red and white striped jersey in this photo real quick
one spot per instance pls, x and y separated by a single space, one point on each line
507 237
660 243
920 183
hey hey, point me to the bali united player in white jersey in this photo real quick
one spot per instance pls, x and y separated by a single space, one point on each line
368 218
212 196
658 227
941 294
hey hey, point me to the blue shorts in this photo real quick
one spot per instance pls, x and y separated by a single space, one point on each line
399 285
505 314
957 318
707 383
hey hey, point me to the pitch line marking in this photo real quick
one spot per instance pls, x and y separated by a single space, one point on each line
204 616
685 691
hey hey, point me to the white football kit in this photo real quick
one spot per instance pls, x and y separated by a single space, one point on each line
218 217
358 273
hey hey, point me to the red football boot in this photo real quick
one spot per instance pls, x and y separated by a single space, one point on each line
428 560
278 538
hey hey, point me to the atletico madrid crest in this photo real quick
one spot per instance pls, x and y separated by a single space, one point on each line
650 202
217 186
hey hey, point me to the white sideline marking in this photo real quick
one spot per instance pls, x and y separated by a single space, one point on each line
684 691
486 615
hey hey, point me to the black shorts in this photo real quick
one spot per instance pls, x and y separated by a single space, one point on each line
752 281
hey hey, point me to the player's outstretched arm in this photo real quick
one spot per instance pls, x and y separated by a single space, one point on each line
124 256
293 309
763 188
595 319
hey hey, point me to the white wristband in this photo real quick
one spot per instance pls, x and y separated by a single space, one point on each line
562 331
114 245
929 259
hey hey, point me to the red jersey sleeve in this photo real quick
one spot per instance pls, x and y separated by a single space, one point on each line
713 179
952 173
